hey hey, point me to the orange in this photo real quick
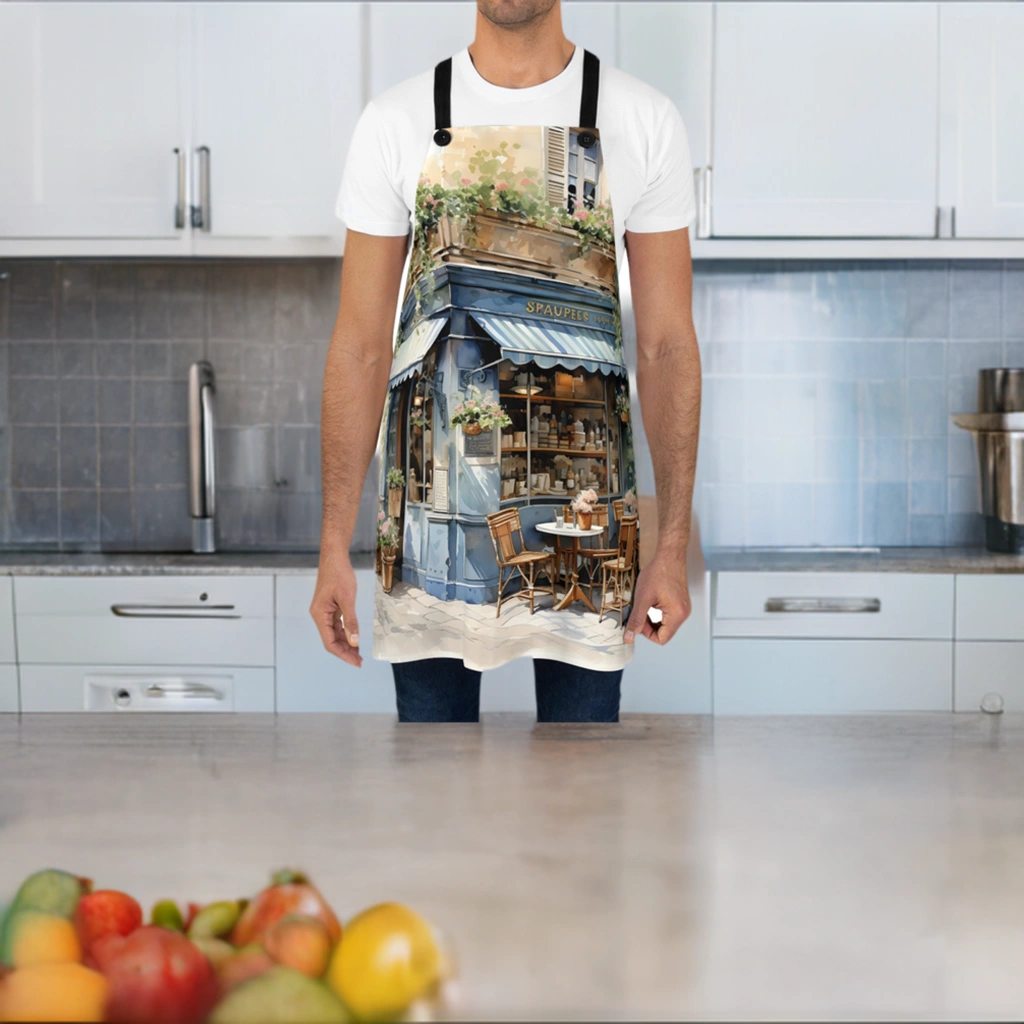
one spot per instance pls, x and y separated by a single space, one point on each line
53 992
39 938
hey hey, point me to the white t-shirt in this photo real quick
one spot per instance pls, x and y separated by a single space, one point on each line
643 144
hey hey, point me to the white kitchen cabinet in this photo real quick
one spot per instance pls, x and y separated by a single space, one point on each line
592 26
7 648
120 688
853 604
93 109
988 667
277 91
990 607
825 119
769 676
669 46
982 118
148 620
310 679
8 688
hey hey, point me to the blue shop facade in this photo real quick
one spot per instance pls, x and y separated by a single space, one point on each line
550 352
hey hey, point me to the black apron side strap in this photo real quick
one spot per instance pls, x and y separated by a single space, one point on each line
443 102
588 98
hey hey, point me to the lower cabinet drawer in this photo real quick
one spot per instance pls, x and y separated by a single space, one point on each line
8 688
127 688
983 668
831 676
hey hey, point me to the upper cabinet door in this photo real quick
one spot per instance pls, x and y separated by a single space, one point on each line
825 119
92 113
592 26
407 39
277 91
982 162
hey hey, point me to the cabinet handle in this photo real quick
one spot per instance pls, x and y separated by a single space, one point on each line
174 611
179 209
823 604
201 213
186 691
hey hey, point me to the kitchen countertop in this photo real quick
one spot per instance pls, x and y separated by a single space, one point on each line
27 563
668 867
925 560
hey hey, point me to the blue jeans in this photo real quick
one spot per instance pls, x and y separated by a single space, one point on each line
444 690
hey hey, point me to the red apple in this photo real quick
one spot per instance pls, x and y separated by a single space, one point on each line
156 976
290 892
105 912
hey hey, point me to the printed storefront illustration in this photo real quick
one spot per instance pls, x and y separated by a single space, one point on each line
507 392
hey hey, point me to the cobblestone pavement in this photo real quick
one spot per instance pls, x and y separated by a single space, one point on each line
412 624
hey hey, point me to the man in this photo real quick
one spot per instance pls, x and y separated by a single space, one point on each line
488 307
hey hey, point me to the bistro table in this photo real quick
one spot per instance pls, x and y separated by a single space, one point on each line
575 591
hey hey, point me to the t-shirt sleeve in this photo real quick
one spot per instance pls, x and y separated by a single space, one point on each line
370 197
667 203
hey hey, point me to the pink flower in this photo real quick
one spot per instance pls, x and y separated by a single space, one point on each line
423 180
465 181
501 186
581 214
385 527
458 408
526 181
380 516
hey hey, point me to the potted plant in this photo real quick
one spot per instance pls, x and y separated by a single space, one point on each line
387 540
396 484
476 415
583 506
622 404
417 421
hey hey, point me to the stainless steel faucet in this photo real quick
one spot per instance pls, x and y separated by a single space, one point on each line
202 456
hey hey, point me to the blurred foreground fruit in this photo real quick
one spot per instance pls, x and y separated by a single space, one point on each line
156 977
300 942
215 920
167 914
53 992
281 996
217 951
38 938
105 912
388 958
50 891
289 893
248 963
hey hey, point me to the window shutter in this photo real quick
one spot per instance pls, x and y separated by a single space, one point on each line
556 182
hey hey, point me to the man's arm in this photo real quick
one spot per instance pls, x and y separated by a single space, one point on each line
669 382
355 383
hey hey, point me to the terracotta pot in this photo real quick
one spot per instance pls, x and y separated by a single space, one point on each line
472 428
394 502
584 519
388 570
624 416
377 560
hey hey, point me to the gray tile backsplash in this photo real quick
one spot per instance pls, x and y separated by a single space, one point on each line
828 387
94 359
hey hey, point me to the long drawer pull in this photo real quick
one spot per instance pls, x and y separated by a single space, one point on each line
823 604
186 691
175 611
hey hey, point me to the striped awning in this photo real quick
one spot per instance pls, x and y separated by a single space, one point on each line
552 344
411 353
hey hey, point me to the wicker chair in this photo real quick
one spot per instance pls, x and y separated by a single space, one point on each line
593 557
526 564
618 574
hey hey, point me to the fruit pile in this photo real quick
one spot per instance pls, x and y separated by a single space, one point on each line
68 953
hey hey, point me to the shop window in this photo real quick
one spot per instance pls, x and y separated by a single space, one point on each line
582 174
419 478
564 435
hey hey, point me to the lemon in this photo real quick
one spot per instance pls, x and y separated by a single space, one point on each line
387 958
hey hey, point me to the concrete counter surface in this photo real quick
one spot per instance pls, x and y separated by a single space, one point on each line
912 560
666 867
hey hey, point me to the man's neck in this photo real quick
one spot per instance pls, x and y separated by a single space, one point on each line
523 55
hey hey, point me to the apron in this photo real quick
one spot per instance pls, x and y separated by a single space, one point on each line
507 520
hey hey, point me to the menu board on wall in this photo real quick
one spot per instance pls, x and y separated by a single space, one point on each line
478 445
440 490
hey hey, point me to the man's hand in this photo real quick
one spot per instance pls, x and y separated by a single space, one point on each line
334 606
662 585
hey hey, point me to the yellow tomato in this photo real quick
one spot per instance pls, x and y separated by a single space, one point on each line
387 958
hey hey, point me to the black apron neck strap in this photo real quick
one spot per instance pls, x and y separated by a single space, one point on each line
443 96
443 102
588 95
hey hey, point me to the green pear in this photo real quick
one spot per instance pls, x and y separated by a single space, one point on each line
215 920
280 996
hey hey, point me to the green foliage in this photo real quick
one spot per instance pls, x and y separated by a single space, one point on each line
476 410
395 478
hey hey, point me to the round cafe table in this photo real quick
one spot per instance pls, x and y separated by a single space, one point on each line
575 591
